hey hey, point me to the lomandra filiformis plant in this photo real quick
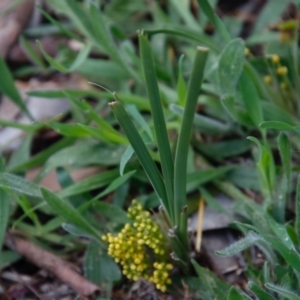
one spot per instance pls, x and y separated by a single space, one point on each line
169 183
140 248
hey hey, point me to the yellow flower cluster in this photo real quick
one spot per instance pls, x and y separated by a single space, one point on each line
140 249
281 71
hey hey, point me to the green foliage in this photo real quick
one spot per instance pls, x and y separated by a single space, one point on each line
180 137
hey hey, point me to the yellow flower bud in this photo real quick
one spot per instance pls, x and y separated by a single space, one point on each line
268 79
275 58
282 71
247 51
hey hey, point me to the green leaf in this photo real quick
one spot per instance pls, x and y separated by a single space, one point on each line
245 177
84 154
7 258
161 133
18 184
104 135
233 294
285 154
291 257
266 167
136 115
125 158
195 179
270 13
244 243
90 183
8 88
22 154
236 111
230 66
224 149
281 232
81 57
273 112
190 34
4 216
42 156
185 132
112 212
214 19
181 84
51 60
65 180
141 151
32 53
71 130
212 286
283 291
68 212
99 267
258 291
119 181
276 125
62 28
183 9
76 231
28 210
297 208
103 37
251 98
203 123
24 127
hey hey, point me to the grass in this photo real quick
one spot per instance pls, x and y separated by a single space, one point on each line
169 112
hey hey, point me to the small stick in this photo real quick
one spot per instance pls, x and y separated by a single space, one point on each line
48 261
200 224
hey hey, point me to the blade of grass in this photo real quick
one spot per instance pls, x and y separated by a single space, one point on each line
258 291
32 53
183 9
141 151
18 184
185 132
161 133
214 19
230 66
181 85
283 291
41 157
297 223
68 212
89 183
8 88
251 98
81 57
189 34
4 209
234 294
59 25
8 257
102 36
212 285
285 154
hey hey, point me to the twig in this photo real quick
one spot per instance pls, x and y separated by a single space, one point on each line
48 261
